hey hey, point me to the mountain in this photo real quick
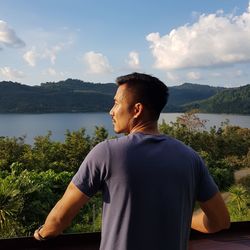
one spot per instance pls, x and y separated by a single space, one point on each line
188 92
232 100
74 95
64 96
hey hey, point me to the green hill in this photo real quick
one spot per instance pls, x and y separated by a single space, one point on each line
74 95
233 100
65 96
188 92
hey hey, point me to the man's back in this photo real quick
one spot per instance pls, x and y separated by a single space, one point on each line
150 183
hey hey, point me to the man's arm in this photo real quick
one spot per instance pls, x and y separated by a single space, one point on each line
213 217
63 212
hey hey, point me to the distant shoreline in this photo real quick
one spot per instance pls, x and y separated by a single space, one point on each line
96 112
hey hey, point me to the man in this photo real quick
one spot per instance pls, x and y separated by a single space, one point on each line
149 181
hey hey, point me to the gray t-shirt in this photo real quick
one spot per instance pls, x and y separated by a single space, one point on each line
149 184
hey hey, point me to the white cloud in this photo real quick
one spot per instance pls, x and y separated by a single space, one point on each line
216 74
134 61
31 57
51 53
52 72
173 77
97 63
10 74
215 39
8 36
34 55
239 73
193 75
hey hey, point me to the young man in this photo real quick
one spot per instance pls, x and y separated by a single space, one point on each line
149 181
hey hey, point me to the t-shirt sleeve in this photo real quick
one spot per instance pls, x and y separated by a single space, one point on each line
207 188
92 172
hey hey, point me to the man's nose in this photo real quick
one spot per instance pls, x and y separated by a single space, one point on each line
111 112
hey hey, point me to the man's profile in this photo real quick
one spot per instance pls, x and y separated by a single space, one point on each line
150 181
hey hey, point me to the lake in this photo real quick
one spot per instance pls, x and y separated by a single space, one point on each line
32 125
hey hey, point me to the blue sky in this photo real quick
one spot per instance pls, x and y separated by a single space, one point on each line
205 42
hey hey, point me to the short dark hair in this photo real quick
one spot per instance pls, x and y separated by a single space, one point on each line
148 90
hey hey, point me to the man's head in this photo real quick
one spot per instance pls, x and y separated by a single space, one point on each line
138 95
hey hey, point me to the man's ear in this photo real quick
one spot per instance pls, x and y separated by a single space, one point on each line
138 108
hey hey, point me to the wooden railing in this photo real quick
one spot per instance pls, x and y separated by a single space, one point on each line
235 238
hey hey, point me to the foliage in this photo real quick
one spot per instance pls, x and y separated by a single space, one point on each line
76 147
245 182
34 177
239 204
25 191
89 219
11 203
45 154
224 177
100 134
11 150
191 121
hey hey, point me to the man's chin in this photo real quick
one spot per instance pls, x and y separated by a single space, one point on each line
118 131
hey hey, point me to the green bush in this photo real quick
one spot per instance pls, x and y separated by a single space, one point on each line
239 203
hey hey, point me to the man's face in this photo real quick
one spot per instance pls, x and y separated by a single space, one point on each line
122 111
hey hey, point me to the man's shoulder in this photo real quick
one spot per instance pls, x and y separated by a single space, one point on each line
137 138
112 142
180 146
122 141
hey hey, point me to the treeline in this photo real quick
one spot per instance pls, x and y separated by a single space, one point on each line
34 177
74 95
64 96
233 100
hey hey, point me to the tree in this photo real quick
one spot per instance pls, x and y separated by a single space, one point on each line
11 150
191 121
76 147
45 154
100 134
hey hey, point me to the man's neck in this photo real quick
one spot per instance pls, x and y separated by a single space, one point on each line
149 127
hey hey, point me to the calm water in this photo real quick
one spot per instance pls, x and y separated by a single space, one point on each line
32 125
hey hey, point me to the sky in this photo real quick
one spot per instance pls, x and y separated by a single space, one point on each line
205 42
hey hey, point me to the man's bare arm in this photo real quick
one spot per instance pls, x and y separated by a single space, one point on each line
213 217
63 212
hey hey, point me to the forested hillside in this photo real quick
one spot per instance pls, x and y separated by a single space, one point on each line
65 96
189 92
78 96
233 100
